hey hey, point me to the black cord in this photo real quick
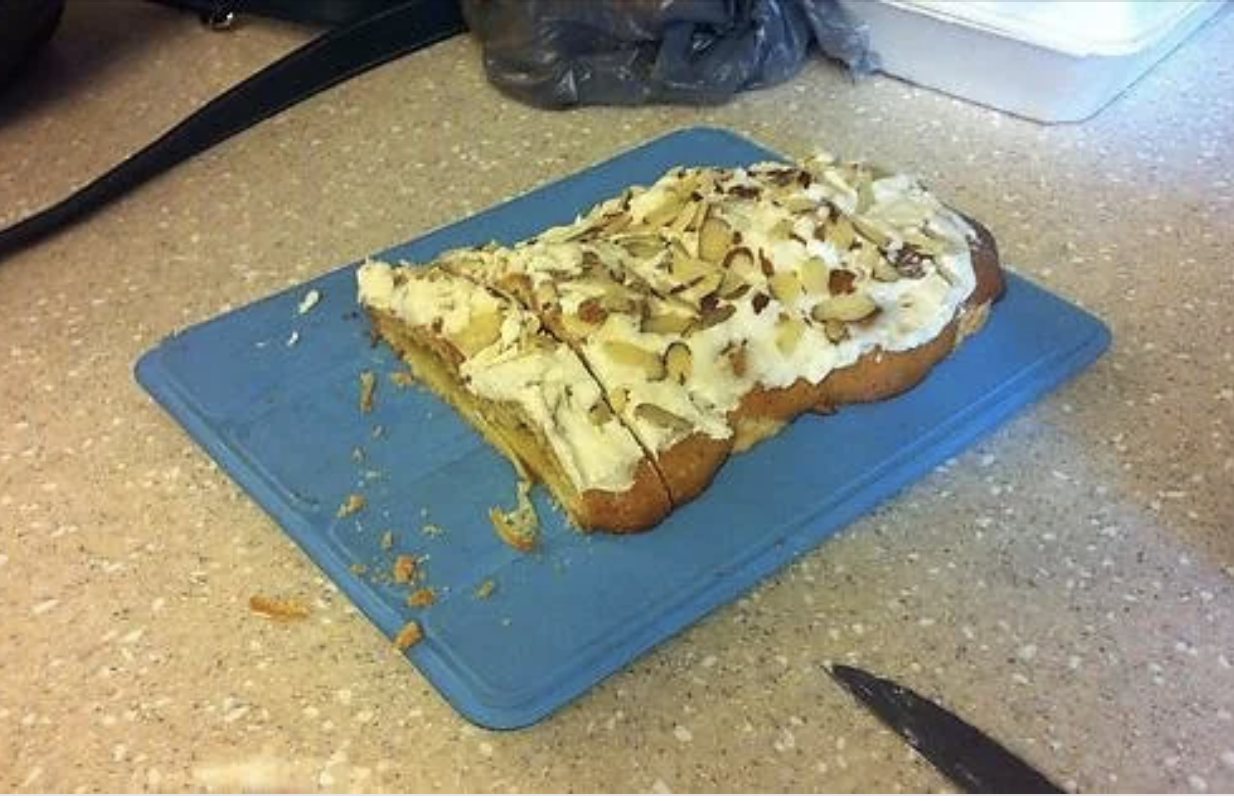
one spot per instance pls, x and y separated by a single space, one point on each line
331 58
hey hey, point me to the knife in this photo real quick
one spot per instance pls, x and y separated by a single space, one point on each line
967 756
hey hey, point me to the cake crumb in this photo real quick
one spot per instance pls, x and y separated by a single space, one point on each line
359 569
368 388
520 527
486 589
402 378
293 339
357 454
279 609
387 540
408 635
422 598
431 530
310 300
354 504
404 568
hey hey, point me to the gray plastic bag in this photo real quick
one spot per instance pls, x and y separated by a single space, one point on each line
564 53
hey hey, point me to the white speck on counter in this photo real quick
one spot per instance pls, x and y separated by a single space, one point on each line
293 339
1197 782
45 606
682 734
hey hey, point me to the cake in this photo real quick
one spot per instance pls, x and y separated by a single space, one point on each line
622 358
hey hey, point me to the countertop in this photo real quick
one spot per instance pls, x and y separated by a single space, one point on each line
1068 584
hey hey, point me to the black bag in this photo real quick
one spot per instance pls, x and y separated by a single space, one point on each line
562 53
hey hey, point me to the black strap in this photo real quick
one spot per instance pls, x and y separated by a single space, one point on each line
331 58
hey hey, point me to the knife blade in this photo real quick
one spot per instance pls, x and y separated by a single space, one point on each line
967 756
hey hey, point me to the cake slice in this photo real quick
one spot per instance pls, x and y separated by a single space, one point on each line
527 393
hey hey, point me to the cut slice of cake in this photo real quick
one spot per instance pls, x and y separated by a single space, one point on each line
527 393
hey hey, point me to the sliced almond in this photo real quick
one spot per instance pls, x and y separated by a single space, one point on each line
668 322
759 302
715 237
813 274
841 234
715 316
788 335
785 287
835 330
481 331
577 327
592 311
626 353
841 282
885 273
616 223
679 362
781 230
619 399
706 285
686 269
872 231
665 211
641 245
685 217
600 413
847 308
740 260
738 360
658 416
732 286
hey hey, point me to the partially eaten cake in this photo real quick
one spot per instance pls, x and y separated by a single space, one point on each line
622 358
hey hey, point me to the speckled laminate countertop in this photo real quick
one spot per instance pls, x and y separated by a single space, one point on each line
1069 583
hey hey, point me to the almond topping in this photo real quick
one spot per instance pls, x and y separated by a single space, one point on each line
667 322
813 274
847 308
788 335
679 362
835 330
841 282
658 416
714 239
632 355
592 311
759 302
785 287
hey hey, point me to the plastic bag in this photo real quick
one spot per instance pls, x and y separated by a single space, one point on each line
563 53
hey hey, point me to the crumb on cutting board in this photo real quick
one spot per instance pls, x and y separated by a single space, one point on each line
387 540
368 389
519 527
408 635
353 504
402 378
404 569
279 609
311 299
486 589
432 530
422 598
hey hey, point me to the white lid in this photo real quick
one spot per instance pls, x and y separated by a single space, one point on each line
1078 27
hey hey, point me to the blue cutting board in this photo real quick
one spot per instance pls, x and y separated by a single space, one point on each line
284 422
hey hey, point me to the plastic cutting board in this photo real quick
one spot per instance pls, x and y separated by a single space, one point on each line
284 422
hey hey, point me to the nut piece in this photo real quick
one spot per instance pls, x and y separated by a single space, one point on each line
715 237
626 353
656 415
813 275
600 413
715 316
408 635
738 359
592 311
835 330
759 302
885 273
841 282
665 211
841 234
785 287
368 386
788 335
679 362
740 261
667 322
620 399
846 308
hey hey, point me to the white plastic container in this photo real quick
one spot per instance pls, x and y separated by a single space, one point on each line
1046 60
